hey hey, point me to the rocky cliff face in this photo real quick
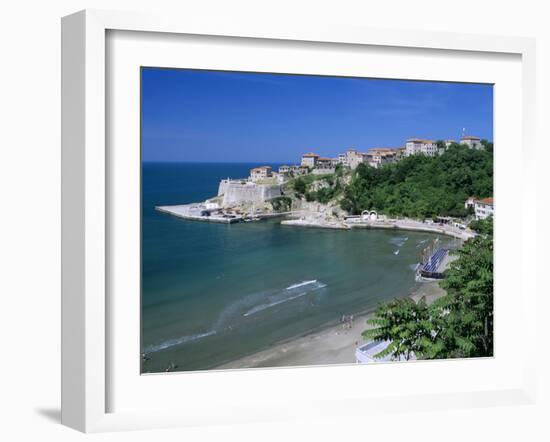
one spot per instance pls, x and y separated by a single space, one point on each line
330 210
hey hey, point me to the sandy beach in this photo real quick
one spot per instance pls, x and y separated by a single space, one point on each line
332 345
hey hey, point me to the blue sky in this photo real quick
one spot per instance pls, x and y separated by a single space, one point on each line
210 116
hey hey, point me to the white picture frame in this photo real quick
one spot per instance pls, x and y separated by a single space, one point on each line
86 316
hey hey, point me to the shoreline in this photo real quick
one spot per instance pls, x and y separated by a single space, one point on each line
332 344
403 225
308 219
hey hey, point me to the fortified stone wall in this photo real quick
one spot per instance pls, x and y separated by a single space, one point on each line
235 192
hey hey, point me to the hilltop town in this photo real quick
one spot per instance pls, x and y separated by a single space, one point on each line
314 190
374 157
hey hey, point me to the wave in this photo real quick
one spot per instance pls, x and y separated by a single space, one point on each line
421 242
399 240
306 288
232 315
301 284
261 307
177 341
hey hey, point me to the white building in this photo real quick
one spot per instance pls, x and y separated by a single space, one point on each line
284 169
343 159
309 159
379 156
323 163
471 141
470 202
260 173
354 158
417 145
484 208
298 170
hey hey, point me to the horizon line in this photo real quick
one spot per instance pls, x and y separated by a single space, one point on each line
213 162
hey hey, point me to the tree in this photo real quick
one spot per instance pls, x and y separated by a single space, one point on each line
459 324
420 186
483 226
403 322
281 203
468 305
300 186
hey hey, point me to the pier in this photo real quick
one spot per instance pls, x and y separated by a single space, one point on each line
199 212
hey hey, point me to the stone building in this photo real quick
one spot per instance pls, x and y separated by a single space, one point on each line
417 145
484 208
379 156
260 173
471 141
309 159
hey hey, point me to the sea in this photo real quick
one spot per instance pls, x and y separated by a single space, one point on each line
212 293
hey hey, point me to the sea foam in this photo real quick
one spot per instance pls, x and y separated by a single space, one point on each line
301 284
177 341
232 315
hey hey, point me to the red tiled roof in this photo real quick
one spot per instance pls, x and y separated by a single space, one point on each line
381 149
261 168
471 137
486 201
419 140
310 155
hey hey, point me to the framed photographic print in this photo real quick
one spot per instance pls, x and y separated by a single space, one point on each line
257 252
275 223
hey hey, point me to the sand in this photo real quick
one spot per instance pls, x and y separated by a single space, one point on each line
333 345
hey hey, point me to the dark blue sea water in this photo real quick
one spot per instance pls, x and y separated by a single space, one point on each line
212 293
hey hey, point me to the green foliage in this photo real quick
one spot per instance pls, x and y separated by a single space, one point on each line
459 324
468 305
420 186
488 146
325 194
482 226
303 187
299 185
403 322
281 203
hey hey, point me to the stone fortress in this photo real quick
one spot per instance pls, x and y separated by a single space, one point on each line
235 192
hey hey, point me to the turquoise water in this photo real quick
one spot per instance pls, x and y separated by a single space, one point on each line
212 293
